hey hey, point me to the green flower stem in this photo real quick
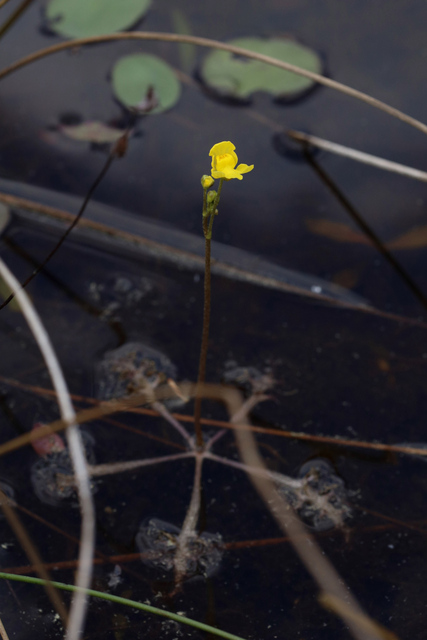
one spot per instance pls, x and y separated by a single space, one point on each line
205 212
207 231
221 182
205 339
125 601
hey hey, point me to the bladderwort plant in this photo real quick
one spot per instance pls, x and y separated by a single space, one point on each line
224 161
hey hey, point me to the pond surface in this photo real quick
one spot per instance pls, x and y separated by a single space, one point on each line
338 372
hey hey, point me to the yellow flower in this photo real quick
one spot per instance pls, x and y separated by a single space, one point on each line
207 181
224 161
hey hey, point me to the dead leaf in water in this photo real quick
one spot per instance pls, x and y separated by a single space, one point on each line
92 131
347 278
415 238
337 231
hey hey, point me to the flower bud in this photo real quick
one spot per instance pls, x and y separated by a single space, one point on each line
211 196
207 181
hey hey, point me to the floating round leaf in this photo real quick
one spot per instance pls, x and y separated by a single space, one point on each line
137 76
237 77
84 18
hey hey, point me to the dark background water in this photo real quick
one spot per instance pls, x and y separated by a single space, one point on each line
338 372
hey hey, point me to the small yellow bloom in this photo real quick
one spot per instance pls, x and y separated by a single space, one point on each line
207 181
224 161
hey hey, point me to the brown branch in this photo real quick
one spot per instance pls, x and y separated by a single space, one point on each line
215 44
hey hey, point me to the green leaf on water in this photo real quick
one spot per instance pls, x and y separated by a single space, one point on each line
84 18
236 77
134 76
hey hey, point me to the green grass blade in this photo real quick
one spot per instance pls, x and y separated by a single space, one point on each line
129 603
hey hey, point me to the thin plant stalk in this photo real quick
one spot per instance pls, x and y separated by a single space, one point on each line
367 229
76 448
279 478
4 28
188 529
130 465
304 544
163 411
201 377
3 632
33 556
117 151
110 407
207 231
316 563
359 156
215 44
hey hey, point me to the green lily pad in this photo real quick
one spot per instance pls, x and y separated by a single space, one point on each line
134 77
85 18
238 78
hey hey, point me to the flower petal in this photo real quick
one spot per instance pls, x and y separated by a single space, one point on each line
224 161
228 174
244 168
222 147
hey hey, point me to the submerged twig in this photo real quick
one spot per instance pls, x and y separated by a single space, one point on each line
33 556
117 152
76 448
367 230
165 413
128 405
279 478
304 544
343 610
3 632
111 468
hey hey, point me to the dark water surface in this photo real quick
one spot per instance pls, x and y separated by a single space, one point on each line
338 372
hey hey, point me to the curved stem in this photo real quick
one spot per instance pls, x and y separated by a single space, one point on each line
129 603
65 235
76 448
215 44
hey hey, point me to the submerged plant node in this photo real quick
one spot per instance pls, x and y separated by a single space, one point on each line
157 541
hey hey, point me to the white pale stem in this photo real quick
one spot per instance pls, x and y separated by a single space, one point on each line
259 472
189 527
76 448
131 465
160 408
359 156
